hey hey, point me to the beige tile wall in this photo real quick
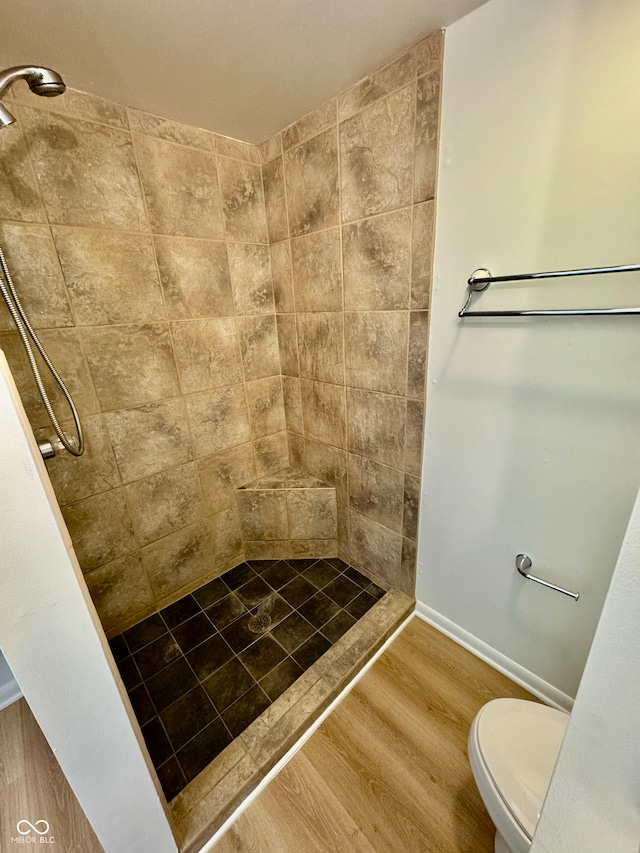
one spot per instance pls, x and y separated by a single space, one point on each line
140 249
349 192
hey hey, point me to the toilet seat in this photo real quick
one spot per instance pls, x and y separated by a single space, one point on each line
513 746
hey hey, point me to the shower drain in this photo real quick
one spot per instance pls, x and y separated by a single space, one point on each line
260 623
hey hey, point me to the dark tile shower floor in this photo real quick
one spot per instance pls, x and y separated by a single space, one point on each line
201 670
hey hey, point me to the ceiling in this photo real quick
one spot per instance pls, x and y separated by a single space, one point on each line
244 68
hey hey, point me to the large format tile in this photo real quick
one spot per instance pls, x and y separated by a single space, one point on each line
242 201
382 82
324 410
311 179
259 346
376 426
251 278
292 398
19 197
310 124
195 277
131 364
164 502
376 547
33 264
181 188
86 172
377 254
172 131
226 538
149 438
328 464
100 528
207 353
282 276
266 406
288 344
223 473
422 254
178 560
119 590
275 202
218 419
263 514
317 273
272 453
426 141
78 477
376 348
376 156
112 278
417 363
321 346
376 491
312 513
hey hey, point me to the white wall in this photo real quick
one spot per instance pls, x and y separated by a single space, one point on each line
55 646
9 690
533 425
593 801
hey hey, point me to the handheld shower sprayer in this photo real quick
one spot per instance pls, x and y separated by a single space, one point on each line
41 81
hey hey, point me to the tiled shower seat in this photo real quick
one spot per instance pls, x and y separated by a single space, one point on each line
288 515
203 669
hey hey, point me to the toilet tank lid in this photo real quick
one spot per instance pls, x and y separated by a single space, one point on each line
519 743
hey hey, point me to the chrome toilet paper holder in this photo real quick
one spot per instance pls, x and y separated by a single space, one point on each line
524 563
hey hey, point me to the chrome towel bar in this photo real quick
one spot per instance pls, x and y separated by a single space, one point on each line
523 564
481 279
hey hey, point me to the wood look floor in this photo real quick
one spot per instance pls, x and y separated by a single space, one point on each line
33 788
387 772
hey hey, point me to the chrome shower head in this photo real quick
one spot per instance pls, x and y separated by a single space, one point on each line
41 81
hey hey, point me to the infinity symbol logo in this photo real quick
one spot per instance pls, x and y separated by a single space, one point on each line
32 827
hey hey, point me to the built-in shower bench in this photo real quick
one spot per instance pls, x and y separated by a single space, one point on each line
288 515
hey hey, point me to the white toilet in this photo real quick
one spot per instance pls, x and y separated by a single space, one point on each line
513 746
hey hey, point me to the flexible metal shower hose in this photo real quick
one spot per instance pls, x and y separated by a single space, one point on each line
74 446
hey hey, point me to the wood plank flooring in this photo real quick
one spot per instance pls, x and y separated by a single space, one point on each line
34 788
387 772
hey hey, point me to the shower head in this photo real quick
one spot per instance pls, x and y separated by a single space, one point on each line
41 81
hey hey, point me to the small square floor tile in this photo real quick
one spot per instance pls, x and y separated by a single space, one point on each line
183 719
243 712
279 574
201 751
119 648
141 704
155 656
297 591
318 610
360 604
178 612
357 577
320 574
129 673
171 778
145 632
283 676
225 611
157 741
292 632
193 632
376 591
238 576
171 683
254 592
275 607
209 656
338 626
337 563
310 651
342 590
210 593
228 684
301 565
238 634
259 566
262 656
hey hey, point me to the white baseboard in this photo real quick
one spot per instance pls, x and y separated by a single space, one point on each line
542 689
9 693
